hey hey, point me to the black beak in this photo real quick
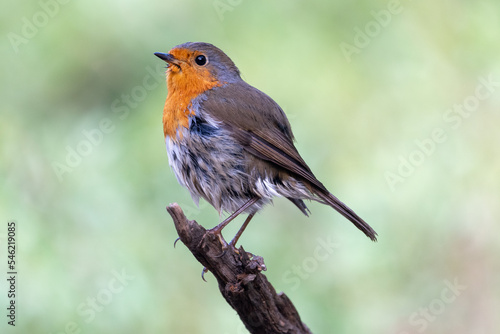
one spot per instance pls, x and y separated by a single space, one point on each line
165 56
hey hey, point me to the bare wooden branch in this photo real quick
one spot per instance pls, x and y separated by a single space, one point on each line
240 279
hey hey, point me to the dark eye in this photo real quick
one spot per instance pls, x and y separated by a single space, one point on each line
200 60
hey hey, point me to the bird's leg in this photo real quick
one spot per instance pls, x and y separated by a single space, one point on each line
240 231
217 230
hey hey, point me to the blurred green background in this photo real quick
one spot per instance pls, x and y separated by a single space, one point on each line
395 106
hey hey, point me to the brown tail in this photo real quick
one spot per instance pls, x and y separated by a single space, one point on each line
345 211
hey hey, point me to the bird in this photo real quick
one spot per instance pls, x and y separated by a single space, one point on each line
231 144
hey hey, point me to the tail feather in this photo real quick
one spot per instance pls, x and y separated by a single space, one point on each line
301 205
345 211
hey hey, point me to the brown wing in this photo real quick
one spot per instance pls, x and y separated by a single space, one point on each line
261 127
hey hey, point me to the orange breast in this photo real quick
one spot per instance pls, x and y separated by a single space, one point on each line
183 87
176 113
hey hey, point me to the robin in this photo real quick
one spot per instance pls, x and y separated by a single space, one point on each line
231 144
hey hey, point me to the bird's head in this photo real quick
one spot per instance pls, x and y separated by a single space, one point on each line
198 64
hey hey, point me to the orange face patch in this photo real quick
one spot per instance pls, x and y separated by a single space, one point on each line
185 81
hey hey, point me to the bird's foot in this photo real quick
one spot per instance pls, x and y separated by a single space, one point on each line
217 233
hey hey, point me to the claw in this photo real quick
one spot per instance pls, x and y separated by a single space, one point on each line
224 251
176 241
203 272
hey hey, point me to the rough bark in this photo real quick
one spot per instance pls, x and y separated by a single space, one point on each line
241 281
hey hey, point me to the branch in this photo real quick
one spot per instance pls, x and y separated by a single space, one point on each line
240 279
